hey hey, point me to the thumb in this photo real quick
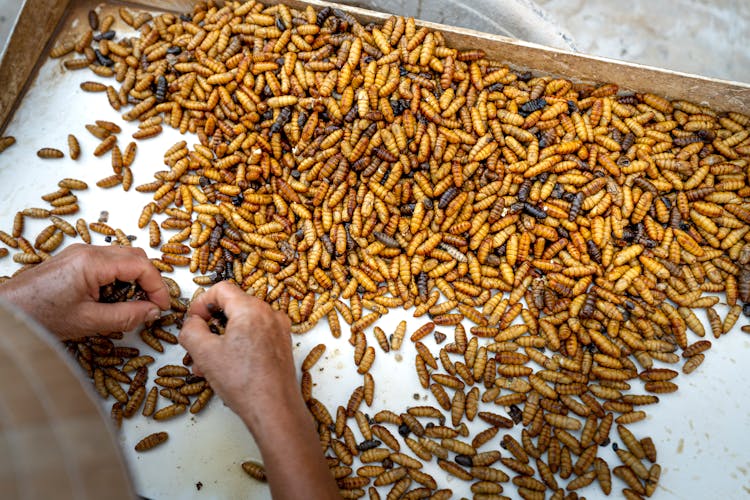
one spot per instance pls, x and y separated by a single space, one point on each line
120 316
196 338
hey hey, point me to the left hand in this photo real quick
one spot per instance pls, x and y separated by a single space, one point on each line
62 293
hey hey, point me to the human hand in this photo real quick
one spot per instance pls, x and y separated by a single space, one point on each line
62 293
251 366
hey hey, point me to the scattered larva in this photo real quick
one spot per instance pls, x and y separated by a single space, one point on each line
170 411
254 470
6 142
74 149
151 441
93 87
74 184
50 153
104 146
313 356
83 230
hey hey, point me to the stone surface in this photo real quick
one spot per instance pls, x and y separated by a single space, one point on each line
708 38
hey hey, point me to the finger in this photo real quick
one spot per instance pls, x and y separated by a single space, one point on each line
118 317
128 264
224 295
196 338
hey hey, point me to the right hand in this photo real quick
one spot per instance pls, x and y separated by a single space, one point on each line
251 366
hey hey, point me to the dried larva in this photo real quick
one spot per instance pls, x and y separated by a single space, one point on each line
101 228
6 142
202 400
115 390
398 336
48 153
74 184
169 411
74 149
93 87
83 230
151 441
135 401
313 356
172 371
369 388
106 145
150 404
254 470
109 181
147 132
129 155
692 363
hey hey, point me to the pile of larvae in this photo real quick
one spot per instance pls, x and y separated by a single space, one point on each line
565 233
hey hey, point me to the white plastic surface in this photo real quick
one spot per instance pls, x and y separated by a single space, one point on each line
701 432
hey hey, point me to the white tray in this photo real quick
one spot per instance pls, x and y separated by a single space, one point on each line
701 432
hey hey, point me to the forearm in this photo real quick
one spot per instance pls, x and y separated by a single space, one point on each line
292 456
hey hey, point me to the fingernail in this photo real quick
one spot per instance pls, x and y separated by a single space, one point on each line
153 314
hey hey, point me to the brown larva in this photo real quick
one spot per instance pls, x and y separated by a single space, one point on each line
109 181
105 145
93 87
202 400
48 153
135 401
115 390
254 470
74 149
151 441
169 411
313 356
6 142
150 404
83 230
101 228
74 184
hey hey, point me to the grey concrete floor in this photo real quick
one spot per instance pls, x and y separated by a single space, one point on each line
706 37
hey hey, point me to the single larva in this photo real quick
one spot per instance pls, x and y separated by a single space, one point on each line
170 411
135 401
6 142
313 356
74 184
151 441
93 87
104 146
254 470
74 149
48 153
